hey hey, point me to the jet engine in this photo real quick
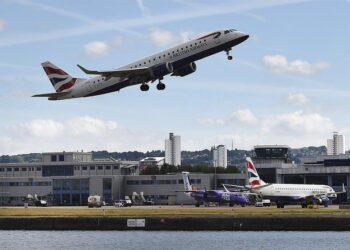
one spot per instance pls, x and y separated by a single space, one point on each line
160 70
185 70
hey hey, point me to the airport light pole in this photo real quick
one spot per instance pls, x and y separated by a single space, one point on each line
214 174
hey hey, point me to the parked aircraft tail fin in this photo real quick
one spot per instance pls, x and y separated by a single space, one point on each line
60 80
187 184
254 178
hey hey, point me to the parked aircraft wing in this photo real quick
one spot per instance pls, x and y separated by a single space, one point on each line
129 73
261 186
242 188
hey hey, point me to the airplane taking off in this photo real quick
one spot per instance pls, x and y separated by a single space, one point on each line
219 196
288 193
177 61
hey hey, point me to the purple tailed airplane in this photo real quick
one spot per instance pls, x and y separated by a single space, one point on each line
219 196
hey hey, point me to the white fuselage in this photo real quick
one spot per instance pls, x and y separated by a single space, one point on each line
195 49
294 192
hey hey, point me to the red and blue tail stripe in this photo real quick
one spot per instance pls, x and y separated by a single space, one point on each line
253 175
59 78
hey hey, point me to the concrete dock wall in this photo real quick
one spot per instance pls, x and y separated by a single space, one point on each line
287 223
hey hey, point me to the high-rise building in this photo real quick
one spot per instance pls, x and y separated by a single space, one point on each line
336 145
173 150
220 156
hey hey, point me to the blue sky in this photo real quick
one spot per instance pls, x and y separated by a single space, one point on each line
288 83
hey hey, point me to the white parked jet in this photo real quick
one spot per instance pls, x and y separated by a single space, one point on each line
288 193
177 61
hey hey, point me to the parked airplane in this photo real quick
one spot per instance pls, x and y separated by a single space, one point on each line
219 196
177 61
289 193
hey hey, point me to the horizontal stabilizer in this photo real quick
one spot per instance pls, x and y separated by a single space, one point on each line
52 96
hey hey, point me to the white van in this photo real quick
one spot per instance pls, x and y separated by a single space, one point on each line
95 201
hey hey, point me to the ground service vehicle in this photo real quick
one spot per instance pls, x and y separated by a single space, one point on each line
95 201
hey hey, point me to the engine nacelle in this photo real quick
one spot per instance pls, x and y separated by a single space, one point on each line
185 70
160 70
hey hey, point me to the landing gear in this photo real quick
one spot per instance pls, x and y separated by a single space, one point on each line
229 57
144 87
280 205
303 205
160 86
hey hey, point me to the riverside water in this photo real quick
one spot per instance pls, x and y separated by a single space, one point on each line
172 240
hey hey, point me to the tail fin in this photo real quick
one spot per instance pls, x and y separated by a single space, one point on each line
59 78
254 179
186 180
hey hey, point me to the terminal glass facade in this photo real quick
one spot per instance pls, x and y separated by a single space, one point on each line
70 191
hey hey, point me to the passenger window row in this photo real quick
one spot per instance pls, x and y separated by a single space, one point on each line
164 55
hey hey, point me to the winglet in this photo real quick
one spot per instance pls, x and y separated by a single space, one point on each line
89 72
83 69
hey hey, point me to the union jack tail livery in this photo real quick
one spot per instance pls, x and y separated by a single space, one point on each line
254 179
60 80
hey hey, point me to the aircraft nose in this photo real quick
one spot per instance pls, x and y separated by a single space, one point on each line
240 37
243 36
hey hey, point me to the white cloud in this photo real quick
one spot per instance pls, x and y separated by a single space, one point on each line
211 121
2 24
244 116
97 49
101 48
89 126
41 128
185 36
79 133
298 122
280 64
161 38
296 129
297 98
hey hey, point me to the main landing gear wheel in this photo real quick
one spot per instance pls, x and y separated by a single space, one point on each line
144 87
160 86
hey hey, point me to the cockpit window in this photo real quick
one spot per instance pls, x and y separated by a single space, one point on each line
228 31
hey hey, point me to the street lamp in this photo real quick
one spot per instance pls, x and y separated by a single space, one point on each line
214 174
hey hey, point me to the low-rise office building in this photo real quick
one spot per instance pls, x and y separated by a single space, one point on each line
65 178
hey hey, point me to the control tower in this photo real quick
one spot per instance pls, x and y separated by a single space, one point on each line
268 158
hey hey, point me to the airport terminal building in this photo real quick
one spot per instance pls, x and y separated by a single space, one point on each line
274 166
65 178
68 178
332 170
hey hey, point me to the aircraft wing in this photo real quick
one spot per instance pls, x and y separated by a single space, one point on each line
129 73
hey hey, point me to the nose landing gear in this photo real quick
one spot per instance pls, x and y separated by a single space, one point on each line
229 57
